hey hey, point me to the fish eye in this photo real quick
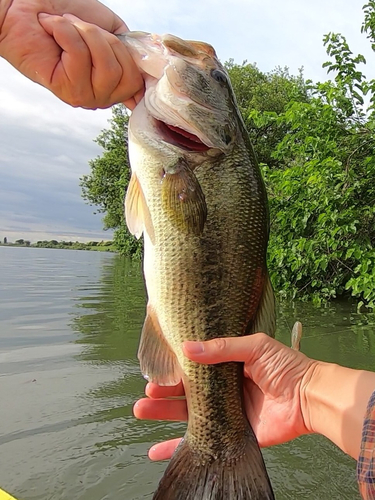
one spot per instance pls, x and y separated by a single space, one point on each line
219 76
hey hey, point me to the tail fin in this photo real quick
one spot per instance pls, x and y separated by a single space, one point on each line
188 477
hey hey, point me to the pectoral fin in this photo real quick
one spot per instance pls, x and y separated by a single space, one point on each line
158 362
137 214
183 199
265 317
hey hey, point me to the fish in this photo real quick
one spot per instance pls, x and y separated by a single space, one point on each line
197 195
296 336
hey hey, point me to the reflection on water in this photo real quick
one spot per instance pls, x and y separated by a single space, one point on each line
69 329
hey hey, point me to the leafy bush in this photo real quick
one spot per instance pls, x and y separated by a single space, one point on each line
322 193
106 184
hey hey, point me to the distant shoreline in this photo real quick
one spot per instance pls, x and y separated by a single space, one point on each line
93 246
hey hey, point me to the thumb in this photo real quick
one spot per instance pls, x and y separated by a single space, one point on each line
241 349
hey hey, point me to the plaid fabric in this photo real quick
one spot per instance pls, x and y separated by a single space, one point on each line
366 461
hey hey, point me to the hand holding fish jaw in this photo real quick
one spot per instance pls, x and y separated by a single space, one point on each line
275 381
83 64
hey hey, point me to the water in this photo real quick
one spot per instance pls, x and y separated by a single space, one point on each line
69 329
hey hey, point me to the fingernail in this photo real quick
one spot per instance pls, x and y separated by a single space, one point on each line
194 347
43 15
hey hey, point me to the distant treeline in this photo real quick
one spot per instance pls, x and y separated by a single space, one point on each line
101 246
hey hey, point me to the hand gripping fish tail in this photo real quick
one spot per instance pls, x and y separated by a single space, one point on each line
242 477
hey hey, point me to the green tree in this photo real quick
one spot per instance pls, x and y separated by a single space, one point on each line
322 195
106 184
261 95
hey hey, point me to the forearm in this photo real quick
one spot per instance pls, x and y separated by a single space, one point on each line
91 11
334 401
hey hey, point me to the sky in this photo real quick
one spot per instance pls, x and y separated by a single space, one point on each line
45 145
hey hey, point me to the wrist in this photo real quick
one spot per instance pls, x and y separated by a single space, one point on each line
334 401
308 395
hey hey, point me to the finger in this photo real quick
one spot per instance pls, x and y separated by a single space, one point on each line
130 103
163 451
254 399
73 71
131 83
115 76
156 391
161 409
221 350
133 101
105 66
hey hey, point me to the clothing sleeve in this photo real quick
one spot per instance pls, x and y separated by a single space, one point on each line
366 461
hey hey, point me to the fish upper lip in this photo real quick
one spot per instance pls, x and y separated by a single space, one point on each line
180 137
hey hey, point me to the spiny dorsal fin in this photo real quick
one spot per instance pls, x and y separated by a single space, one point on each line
265 317
137 214
158 362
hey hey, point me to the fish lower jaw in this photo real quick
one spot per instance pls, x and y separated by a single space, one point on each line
180 137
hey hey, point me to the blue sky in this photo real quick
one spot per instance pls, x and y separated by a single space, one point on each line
45 145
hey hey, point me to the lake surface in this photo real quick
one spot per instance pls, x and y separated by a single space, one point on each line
69 330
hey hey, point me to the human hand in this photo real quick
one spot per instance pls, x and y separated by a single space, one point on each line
77 58
276 378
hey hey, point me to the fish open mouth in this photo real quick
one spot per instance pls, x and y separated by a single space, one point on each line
181 138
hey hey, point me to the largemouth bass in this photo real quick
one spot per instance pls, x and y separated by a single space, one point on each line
197 195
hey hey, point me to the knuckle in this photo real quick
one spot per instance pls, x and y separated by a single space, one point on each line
220 344
90 29
116 42
113 76
58 20
79 101
75 101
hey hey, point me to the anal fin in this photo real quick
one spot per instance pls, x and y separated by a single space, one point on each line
157 360
265 317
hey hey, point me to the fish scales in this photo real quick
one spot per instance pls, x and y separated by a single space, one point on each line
204 295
